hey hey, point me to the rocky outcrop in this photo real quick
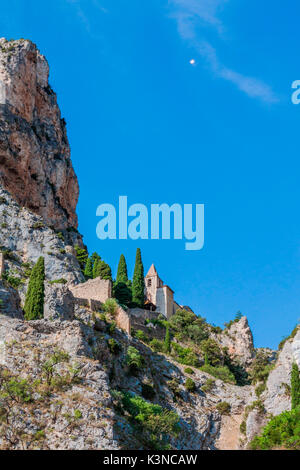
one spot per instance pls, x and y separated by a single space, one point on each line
239 341
9 302
24 237
276 397
35 165
76 411
59 303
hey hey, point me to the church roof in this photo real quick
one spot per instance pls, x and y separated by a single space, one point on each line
152 271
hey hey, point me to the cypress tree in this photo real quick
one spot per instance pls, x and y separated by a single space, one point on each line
34 302
138 282
88 270
122 290
96 268
295 386
82 256
94 257
168 340
122 270
105 271
101 269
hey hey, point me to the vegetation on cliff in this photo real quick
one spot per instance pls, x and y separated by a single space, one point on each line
34 302
138 282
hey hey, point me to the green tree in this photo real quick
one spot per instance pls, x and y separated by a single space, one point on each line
168 340
94 257
88 270
34 302
82 256
138 282
122 293
101 269
295 386
122 290
211 348
104 270
96 268
122 270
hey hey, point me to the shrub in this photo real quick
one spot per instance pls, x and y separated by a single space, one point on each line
212 350
222 373
12 281
260 389
34 302
48 367
110 306
133 359
223 408
190 385
188 370
155 424
188 326
260 368
216 329
237 369
157 345
148 391
58 281
291 336
38 225
77 414
243 427
208 386
17 390
237 318
173 385
281 431
141 336
184 355
113 346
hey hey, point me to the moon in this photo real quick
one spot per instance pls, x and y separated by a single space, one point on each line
192 61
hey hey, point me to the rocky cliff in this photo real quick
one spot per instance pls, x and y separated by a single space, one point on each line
66 381
35 165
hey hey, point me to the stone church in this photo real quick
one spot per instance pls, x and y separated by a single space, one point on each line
160 297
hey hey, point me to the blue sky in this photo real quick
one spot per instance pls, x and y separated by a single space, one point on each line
143 122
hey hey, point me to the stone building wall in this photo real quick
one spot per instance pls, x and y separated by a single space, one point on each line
138 317
96 289
123 320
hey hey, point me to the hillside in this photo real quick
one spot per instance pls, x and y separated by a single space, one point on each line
74 379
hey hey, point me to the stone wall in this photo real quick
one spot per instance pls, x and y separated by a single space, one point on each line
96 289
123 320
138 317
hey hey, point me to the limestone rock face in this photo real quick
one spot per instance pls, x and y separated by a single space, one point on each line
9 302
59 303
239 341
77 415
35 165
276 398
25 237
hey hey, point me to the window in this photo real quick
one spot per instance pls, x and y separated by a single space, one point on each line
149 282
